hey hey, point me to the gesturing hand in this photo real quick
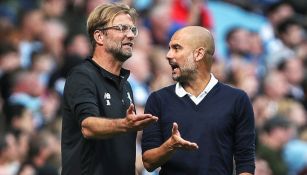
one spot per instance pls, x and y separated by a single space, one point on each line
176 141
138 122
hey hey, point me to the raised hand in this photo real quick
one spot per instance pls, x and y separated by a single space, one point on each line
177 142
153 158
138 122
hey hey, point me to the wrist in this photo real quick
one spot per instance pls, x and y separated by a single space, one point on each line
122 125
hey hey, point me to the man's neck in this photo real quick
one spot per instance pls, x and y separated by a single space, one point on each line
196 86
108 62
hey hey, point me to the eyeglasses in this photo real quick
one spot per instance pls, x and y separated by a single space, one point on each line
123 28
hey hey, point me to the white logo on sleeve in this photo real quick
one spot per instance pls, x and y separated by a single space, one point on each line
107 97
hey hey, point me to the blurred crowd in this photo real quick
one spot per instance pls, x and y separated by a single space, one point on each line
41 40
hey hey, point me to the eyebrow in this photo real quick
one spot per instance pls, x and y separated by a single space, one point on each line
178 46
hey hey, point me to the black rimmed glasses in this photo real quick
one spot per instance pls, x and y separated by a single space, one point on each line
124 28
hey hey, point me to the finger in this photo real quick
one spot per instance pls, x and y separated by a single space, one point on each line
155 118
175 128
192 146
146 122
130 110
189 145
143 117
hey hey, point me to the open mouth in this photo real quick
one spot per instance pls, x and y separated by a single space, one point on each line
128 44
174 65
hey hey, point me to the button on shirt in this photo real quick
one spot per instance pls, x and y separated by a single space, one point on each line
181 92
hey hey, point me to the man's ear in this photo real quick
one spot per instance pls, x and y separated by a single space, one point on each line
199 53
98 36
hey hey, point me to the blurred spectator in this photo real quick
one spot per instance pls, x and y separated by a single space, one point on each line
140 74
159 23
237 40
53 8
291 33
75 9
77 45
160 69
9 9
19 118
42 64
244 49
262 167
249 84
273 136
275 13
42 149
9 163
23 142
53 37
27 169
27 90
31 26
266 105
9 58
8 32
293 70
238 70
257 52
77 48
144 40
191 12
294 111
9 61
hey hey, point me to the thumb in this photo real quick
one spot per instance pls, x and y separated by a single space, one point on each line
175 128
130 110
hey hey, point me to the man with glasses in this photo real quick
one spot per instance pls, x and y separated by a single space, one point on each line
99 120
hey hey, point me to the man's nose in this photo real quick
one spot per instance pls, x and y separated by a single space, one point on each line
169 55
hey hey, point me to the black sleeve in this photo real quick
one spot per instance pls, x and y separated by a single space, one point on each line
81 95
152 136
244 150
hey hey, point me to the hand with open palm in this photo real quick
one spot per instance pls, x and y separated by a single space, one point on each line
138 122
177 142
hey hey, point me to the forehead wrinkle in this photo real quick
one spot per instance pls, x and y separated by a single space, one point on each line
120 17
181 40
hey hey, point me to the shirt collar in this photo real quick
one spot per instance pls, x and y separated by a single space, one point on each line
181 92
124 73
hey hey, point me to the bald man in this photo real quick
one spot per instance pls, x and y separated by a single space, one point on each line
204 125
